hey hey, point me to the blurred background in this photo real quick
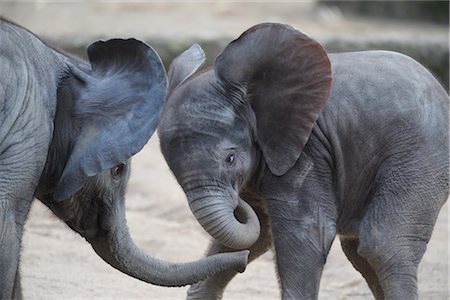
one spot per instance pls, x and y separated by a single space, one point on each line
57 263
416 28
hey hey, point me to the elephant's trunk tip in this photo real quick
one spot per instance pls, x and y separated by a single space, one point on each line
243 261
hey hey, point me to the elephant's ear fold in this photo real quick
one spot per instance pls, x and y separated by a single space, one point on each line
185 65
116 108
286 77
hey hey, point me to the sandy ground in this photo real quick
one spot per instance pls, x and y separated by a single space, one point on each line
57 263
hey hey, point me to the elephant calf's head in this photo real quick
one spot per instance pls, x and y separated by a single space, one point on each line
258 104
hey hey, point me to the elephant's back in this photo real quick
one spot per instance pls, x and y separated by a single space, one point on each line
30 71
384 79
386 113
374 89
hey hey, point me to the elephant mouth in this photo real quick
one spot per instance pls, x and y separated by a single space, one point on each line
88 233
84 216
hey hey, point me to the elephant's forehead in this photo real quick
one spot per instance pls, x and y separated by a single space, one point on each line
195 149
204 135
197 112
198 139
201 103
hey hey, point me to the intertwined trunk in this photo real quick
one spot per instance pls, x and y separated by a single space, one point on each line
118 249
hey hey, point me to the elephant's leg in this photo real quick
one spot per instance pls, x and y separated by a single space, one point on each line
301 247
302 208
10 237
17 186
393 237
350 248
213 287
17 291
395 262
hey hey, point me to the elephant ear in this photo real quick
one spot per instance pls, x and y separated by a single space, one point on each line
286 77
116 108
185 65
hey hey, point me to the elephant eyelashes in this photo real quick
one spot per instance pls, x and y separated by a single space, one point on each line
117 171
230 159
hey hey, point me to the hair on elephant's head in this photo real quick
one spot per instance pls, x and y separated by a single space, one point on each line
256 106
106 113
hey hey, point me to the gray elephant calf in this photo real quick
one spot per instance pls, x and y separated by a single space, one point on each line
68 130
268 136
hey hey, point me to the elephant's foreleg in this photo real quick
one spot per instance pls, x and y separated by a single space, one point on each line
17 291
301 248
17 186
302 208
10 236
213 287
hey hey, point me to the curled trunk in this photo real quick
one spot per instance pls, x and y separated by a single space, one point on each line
229 219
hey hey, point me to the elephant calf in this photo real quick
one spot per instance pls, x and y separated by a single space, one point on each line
283 142
68 130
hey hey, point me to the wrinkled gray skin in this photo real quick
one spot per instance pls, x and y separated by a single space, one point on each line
363 156
68 130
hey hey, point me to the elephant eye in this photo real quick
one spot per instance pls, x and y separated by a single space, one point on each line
229 159
117 171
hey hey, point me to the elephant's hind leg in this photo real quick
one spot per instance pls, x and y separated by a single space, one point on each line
393 238
213 287
407 194
350 248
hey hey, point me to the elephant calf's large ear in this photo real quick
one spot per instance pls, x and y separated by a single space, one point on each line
117 106
287 79
185 65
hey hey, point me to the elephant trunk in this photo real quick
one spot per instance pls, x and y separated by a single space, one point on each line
118 249
229 219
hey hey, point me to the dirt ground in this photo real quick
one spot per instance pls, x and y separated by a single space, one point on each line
57 263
